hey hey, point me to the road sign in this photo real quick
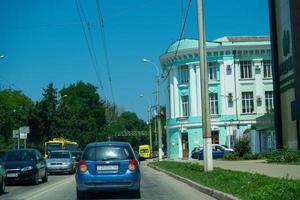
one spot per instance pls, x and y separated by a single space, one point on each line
23 136
24 129
15 133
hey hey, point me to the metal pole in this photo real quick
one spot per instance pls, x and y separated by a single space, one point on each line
206 129
160 152
150 132
19 138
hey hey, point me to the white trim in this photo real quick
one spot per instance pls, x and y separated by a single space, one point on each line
179 145
171 102
175 92
193 111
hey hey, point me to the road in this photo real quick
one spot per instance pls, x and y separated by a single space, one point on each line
154 185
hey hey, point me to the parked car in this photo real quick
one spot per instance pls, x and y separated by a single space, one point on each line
224 148
195 152
25 165
2 177
217 152
107 166
60 161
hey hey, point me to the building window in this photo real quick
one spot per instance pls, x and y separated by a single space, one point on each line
267 69
246 69
247 102
269 101
185 105
213 104
184 71
212 71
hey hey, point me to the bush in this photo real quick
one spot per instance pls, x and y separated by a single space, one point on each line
243 146
251 156
284 156
231 156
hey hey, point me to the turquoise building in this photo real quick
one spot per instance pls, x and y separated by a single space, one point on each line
240 90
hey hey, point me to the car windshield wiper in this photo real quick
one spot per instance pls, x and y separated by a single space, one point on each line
111 158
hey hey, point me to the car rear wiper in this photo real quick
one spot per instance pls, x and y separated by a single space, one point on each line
111 158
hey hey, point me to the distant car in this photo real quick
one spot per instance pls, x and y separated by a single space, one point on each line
76 156
2 177
108 166
144 151
218 151
195 152
60 161
154 154
25 165
224 148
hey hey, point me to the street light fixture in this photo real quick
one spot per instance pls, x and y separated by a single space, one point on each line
160 152
149 121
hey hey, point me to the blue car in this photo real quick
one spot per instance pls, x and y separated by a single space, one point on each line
108 166
218 151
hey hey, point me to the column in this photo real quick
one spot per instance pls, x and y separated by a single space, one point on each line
198 86
175 95
171 102
193 91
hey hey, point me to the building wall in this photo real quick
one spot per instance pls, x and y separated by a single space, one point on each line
230 122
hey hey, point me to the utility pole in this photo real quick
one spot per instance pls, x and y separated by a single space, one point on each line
160 152
206 129
150 132
158 119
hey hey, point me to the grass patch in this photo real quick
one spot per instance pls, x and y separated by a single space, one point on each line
243 185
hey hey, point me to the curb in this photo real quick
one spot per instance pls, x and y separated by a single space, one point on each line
211 192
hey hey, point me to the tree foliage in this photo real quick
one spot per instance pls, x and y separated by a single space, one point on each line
76 112
14 111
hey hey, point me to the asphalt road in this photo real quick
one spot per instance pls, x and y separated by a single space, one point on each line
154 185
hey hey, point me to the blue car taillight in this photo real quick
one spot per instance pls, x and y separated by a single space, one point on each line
132 165
82 166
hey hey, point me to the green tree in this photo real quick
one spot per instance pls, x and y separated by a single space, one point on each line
128 121
43 117
81 113
14 109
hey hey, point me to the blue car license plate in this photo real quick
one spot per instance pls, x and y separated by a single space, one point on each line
107 167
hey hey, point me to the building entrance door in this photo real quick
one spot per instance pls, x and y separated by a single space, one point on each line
215 137
185 144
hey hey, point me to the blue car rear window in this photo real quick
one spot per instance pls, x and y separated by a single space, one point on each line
103 153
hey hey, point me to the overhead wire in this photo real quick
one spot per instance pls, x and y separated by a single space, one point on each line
106 57
179 40
89 43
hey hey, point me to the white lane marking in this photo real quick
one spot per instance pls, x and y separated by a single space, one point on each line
44 190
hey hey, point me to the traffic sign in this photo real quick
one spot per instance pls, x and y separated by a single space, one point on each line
15 134
23 136
24 129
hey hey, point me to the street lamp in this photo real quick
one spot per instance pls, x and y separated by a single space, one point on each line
149 121
160 152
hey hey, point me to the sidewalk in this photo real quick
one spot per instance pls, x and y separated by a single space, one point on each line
256 166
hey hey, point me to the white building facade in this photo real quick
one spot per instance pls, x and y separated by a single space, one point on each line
240 90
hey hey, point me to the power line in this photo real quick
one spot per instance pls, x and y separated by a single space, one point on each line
107 63
180 38
90 45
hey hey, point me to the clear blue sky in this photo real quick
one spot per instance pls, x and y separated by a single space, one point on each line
43 41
